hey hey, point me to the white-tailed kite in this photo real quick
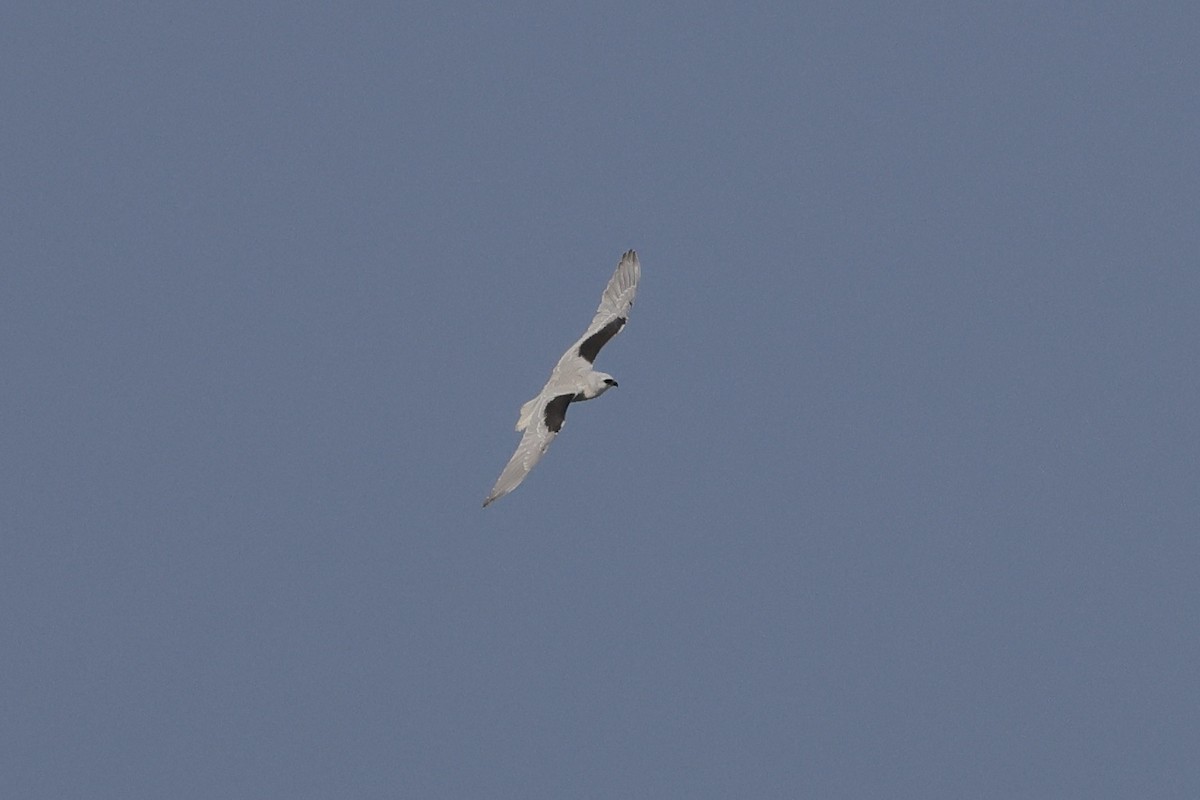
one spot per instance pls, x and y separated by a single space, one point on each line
572 380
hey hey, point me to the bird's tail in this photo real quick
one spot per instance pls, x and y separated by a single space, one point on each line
526 414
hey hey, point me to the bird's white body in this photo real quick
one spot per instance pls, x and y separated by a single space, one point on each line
572 379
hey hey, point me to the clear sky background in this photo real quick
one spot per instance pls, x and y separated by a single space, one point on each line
898 495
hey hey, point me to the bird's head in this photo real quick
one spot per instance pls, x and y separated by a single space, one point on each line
598 383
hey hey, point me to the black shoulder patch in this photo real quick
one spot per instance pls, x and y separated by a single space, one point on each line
591 345
556 411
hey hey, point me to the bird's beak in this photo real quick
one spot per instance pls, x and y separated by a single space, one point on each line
611 382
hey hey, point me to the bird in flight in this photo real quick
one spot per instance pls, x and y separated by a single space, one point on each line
572 380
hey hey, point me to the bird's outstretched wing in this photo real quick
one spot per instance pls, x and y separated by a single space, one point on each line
545 420
610 317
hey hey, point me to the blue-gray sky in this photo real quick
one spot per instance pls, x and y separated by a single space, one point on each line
898 495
